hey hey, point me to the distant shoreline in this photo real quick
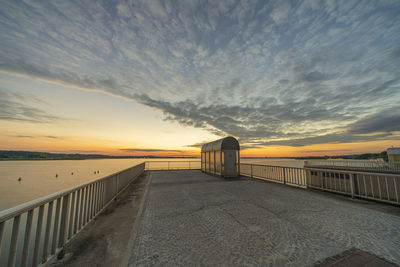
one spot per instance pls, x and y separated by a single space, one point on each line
11 155
40 159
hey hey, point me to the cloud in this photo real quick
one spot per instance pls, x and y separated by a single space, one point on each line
316 76
31 136
253 121
149 150
197 145
387 120
280 13
328 151
335 138
79 151
123 10
268 73
242 147
14 107
21 67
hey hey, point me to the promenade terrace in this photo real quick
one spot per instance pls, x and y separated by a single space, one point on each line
193 218
186 217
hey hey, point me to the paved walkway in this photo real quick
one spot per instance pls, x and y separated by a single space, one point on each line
190 218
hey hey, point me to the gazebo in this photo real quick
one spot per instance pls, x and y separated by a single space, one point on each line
221 157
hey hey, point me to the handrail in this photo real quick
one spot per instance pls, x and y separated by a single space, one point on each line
383 187
173 165
377 165
53 220
378 186
353 172
259 164
8 213
293 176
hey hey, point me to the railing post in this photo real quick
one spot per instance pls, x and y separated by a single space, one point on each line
85 208
47 233
63 224
307 178
38 236
28 229
238 162
14 239
351 184
78 203
284 175
55 229
71 217
1 230
89 202
117 185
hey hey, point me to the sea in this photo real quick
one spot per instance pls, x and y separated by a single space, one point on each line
24 181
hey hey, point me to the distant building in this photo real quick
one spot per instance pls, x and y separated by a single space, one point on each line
394 156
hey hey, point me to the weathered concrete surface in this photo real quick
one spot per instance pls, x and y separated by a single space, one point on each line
354 257
104 240
191 218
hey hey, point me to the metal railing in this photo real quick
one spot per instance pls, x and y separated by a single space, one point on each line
34 232
367 165
172 165
382 187
285 175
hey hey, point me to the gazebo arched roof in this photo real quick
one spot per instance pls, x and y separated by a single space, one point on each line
227 143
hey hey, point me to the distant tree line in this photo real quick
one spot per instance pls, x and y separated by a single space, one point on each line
365 156
31 155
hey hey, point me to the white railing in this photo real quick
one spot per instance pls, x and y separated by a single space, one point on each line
379 186
353 164
34 232
285 175
172 165
384 187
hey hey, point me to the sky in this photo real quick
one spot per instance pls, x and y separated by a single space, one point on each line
287 78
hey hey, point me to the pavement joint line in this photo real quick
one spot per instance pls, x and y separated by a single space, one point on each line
132 238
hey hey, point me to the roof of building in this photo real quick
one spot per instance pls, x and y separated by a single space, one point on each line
227 143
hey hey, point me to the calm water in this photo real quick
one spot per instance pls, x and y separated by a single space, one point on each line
38 178
276 162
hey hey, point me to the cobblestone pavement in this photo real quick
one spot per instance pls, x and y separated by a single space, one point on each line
191 218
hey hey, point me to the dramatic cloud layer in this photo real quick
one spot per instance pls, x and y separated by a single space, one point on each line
271 73
17 107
